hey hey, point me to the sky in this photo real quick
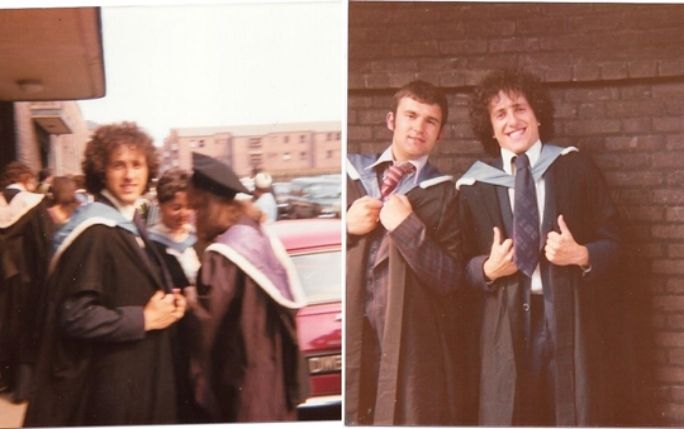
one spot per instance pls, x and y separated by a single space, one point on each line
221 63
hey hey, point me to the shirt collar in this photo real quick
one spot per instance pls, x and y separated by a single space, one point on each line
127 210
532 154
388 156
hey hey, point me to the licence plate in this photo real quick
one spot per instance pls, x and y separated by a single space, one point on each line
323 364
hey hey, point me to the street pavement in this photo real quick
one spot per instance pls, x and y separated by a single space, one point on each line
11 414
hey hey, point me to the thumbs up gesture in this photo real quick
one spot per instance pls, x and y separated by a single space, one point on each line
500 262
562 249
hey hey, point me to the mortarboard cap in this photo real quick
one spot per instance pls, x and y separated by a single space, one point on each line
215 176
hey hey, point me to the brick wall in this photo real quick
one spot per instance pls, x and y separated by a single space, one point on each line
616 73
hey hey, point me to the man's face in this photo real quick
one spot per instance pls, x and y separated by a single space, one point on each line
176 213
126 173
515 125
416 128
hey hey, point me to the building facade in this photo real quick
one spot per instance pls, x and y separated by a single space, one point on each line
284 150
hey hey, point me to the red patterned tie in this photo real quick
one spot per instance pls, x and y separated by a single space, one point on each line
393 176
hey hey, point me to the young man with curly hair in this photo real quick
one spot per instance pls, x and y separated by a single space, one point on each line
106 356
541 243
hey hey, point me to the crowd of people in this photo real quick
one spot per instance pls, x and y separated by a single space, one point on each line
482 300
106 321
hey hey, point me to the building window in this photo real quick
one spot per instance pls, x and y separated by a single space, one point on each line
302 156
302 138
255 143
286 156
286 139
201 143
328 154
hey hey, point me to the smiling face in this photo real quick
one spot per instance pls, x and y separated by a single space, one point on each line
176 213
514 123
126 173
416 128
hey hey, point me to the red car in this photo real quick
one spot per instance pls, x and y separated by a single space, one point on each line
315 245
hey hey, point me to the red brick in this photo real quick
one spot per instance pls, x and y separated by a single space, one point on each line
676 285
675 321
463 47
358 133
673 414
372 117
643 213
668 231
585 72
632 108
513 44
675 142
399 65
676 356
669 159
591 127
415 49
643 68
670 266
668 124
675 251
637 125
613 70
399 79
668 303
635 178
376 80
670 374
670 67
635 143
591 110
674 214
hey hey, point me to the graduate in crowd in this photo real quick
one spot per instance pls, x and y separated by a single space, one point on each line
541 240
64 200
264 198
24 249
106 356
246 364
174 236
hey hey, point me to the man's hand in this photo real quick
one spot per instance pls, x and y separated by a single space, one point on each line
163 309
500 262
562 249
362 216
394 211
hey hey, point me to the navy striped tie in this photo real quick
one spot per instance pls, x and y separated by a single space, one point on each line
525 217
393 176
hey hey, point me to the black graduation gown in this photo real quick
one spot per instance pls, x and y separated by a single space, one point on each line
421 378
575 189
24 249
110 374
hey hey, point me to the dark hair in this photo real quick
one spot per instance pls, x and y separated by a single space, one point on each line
509 81
423 92
171 181
16 172
63 190
44 174
105 141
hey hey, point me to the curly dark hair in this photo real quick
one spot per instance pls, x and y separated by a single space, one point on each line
509 81
171 181
423 92
16 172
104 141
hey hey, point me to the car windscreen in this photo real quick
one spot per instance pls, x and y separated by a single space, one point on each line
320 276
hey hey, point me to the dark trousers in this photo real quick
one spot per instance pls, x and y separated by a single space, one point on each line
535 396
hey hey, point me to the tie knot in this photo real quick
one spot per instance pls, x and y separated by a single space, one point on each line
521 161
402 168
